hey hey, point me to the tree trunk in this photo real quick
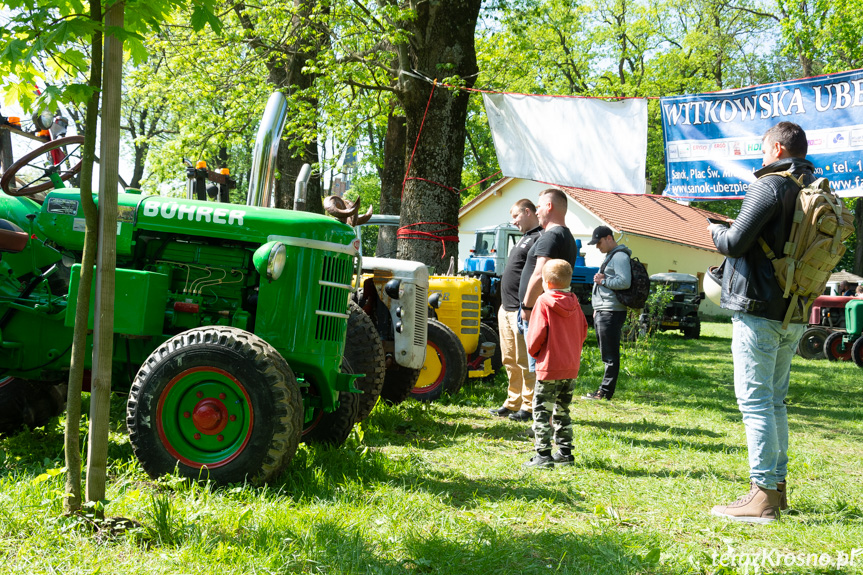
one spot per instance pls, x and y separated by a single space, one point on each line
6 156
103 332
858 225
391 175
141 151
442 40
289 165
72 502
286 72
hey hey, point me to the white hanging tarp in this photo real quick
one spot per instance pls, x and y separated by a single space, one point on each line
578 142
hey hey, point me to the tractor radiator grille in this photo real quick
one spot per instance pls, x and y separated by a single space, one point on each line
422 317
335 288
470 314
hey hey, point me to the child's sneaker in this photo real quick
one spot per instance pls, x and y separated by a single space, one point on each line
561 460
540 462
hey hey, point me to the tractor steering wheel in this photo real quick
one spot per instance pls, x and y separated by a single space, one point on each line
39 176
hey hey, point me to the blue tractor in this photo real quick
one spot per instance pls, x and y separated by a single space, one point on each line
488 260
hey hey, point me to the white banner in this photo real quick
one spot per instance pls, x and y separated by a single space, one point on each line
578 142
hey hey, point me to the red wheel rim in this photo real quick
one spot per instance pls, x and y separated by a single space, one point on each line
438 381
204 417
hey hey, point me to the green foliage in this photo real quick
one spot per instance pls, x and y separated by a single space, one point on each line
654 310
41 44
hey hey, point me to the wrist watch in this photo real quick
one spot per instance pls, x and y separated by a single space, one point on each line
525 306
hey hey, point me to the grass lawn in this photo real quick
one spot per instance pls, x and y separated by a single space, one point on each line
440 488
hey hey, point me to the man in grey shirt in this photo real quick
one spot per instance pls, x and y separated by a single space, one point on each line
608 313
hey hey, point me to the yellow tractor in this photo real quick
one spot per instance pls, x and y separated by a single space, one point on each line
458 344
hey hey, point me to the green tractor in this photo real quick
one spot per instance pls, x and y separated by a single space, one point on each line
230 321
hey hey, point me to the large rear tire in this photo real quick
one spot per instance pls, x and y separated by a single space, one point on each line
364 351
445 367
398 383
835 349
811 344
218 403
333 428
488 335
30 404
488 331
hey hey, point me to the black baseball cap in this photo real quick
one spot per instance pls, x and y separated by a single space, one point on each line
599 233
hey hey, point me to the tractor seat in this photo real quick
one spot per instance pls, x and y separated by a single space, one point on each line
12 238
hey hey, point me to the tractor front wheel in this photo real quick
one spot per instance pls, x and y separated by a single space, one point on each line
835 349
445 367
857 351
218 403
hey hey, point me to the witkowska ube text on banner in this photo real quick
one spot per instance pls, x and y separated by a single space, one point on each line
713 141
578 142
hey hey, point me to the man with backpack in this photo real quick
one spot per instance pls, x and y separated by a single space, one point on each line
609 313
762 348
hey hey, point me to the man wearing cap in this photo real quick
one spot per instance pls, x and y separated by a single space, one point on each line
608 313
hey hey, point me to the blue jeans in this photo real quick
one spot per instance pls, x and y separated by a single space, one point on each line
762 353
522 329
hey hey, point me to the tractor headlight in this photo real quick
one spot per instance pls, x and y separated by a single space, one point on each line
434 300
270 260
393 288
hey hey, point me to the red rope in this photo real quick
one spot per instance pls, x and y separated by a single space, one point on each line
481 181
433 236
636 97
552 95
444 186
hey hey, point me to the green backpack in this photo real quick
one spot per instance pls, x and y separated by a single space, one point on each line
814 247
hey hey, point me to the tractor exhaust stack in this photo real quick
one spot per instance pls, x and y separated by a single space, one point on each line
266 148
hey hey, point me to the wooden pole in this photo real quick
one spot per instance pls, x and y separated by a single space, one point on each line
103 332
6 156
80 345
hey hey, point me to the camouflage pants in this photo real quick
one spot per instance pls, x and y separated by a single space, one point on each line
551 401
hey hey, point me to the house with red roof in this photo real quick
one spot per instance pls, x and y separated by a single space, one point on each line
665 235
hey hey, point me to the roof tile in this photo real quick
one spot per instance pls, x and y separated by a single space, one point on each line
649 215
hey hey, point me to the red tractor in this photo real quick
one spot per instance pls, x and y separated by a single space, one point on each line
847 343
826 325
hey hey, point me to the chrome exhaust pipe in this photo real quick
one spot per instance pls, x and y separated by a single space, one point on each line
262 177
301 186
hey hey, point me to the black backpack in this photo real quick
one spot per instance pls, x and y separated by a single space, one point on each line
635 296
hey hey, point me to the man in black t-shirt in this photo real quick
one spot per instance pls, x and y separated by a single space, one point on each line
512 344
556 242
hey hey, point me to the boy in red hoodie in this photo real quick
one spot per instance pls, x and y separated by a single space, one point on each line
555 337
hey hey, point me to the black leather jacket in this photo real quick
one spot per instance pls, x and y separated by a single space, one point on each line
748 281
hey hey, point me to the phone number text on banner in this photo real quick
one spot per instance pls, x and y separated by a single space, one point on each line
713 141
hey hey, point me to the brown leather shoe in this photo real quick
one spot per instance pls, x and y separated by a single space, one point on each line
783 500
758 506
